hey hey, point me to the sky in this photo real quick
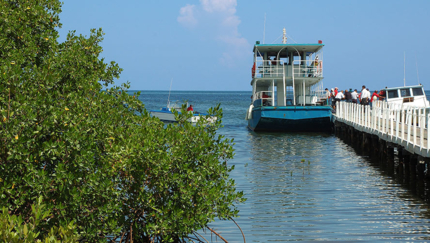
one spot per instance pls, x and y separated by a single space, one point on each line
206 45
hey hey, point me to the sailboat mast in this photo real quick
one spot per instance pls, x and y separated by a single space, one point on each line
404 69
168 98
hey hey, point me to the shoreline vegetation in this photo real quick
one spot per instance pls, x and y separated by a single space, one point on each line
84 162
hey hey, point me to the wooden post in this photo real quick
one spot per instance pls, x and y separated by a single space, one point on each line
382 151
400 167
390 154
374 145
413 159
421 167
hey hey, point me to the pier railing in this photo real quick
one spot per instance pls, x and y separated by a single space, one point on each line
406 126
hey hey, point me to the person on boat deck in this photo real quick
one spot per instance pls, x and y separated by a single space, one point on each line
354 96
190 108
365 96
317 66
327 95
314 65
266 100
375 94
315 62
274 61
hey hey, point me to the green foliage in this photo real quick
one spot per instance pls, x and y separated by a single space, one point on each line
96 156
13 229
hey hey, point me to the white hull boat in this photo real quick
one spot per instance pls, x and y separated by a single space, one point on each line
407 96
165 114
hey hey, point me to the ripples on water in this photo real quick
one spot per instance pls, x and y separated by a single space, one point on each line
332 195
308 187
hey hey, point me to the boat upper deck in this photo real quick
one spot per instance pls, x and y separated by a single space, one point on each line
288 61
288 73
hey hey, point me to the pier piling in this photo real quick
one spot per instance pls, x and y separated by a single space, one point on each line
402 148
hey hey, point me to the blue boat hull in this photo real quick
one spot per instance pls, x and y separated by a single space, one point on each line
291 119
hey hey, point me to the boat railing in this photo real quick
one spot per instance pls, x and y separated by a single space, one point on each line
279 69
321 96
307 68
263 98
307 100
270 68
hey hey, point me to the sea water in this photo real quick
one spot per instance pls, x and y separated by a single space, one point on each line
306 186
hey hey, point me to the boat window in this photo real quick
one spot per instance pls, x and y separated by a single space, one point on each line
393 94
417 91
405 92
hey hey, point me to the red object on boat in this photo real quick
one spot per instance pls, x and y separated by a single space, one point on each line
319 41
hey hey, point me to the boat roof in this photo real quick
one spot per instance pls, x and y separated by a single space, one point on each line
309 48
405 87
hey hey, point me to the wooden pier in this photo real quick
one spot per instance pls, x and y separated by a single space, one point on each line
382 130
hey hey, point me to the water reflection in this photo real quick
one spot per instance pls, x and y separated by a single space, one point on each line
309 187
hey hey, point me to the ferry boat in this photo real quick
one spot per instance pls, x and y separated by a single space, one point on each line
287 89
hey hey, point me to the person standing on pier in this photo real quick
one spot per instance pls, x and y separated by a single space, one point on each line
339 97
333 95
348 96
354 96
365 96
382 94
375 94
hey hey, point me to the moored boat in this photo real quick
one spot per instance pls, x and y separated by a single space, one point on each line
166 114
407 96
288 95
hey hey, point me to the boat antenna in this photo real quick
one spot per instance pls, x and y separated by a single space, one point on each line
264 28
168 98
404 69
416 63
284 37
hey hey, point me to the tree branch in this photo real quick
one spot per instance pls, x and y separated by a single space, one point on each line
217 234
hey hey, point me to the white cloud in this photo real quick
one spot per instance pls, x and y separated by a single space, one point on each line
227 6
186 16
233 40
236 47
220 17
232 21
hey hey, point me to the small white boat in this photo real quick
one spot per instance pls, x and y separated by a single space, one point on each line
407 96
165 114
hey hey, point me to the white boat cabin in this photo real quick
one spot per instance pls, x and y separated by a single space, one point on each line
407 96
